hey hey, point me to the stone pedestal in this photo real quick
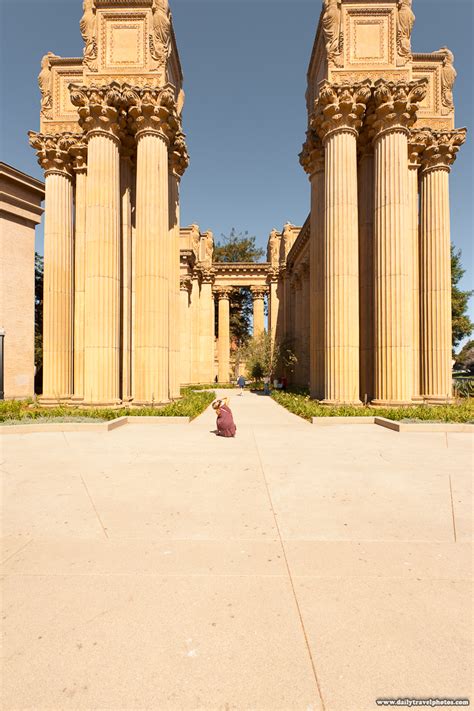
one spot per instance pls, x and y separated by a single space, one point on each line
223 296
435 266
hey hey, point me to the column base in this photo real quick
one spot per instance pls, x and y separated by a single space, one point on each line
337 403
435 400
77 400
148 403
112 404
392 403
49 401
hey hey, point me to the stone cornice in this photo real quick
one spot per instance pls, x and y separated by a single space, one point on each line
301 243
395 105
340 107
441 149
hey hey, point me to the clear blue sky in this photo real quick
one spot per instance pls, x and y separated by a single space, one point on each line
245 65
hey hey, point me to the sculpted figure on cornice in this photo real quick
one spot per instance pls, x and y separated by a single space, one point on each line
54 151
273 249
160 40
45 84
209 246
287 239
99 107
405 22
440 153
88 26
448 77
340 106
332 29
195 237
396 105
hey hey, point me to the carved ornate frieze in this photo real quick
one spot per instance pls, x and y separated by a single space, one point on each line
441 149
99 107
54 151
340 107
395 105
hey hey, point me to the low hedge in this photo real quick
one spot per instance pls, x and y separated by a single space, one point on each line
302 405
191 405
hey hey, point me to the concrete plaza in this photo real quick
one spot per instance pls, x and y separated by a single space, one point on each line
295 567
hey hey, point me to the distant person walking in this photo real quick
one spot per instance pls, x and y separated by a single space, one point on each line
266 385
241 384
225 420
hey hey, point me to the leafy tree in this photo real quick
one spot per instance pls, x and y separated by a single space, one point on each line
465 357
39 278
462 324
262 357
239 247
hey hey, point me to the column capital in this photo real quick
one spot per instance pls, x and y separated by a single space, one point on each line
417 142
53 151
441 149
207 274
152 111
178 154
99 108
185 283
273 275
223 292
340 108
395 106
258 292
78 152
312 155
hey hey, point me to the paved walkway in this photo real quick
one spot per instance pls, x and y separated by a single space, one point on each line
291 568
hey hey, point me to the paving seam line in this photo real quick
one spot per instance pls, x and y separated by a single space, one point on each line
313 665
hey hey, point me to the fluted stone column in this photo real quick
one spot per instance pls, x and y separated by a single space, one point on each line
312 160
395 111
126 191
273 305
80 195
297 321
435 265
195 328
185 330
223 296
98 114
305 325
366 270
207 318
258 299
339 117
174 287
54 157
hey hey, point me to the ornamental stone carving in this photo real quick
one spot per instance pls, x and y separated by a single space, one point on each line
45 83
312 155
152 109
160 39
88 26
195 237
78 152
417 142
178 154
273 249
207 273
405 22
340 107
185 284
209 246
332 29
448 78
395 105
223 292
53 151
442 147
259 292
98 107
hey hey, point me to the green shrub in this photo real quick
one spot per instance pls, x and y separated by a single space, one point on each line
302 405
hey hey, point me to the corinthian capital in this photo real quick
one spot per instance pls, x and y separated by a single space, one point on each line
54 151
258 292
223 292
312 155
340 107
152 110
417 142
178 154
207 273
442 147
98 107
395 105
